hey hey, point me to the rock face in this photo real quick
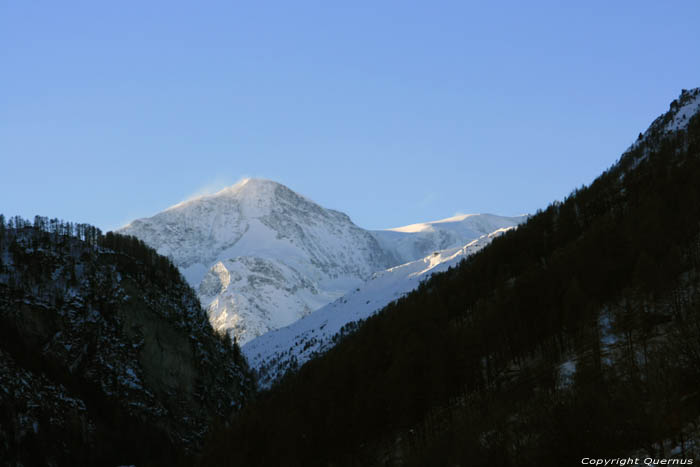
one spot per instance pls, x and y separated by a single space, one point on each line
104 357
260 255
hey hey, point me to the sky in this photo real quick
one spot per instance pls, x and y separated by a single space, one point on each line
394 112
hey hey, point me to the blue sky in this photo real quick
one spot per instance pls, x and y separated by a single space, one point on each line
393 112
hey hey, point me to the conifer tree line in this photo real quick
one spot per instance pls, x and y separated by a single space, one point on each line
54 226
578 334
55 234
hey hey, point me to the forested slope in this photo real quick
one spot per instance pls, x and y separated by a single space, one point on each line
578 334
106 356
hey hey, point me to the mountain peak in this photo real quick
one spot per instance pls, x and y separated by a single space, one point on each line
251 185
262 255
255 193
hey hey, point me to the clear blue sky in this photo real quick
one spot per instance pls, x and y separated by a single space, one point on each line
393 112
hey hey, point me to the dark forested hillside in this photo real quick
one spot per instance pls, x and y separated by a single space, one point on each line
106 356
576 335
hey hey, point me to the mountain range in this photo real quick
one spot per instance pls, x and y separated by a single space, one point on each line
262 256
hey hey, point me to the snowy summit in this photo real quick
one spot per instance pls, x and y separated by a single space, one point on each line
262 256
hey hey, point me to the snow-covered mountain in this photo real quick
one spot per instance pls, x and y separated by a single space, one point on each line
262 256
272 354
415 241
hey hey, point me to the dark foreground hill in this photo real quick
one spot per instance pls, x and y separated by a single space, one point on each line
577 335
106 356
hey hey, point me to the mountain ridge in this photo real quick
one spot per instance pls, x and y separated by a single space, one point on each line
262 256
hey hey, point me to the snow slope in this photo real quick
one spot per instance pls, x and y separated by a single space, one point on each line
416 241
275 352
